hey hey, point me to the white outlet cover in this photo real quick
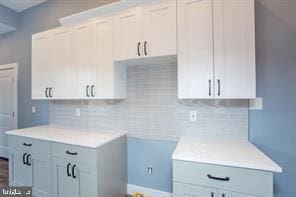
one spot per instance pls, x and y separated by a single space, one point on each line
193 116
33 109
78 112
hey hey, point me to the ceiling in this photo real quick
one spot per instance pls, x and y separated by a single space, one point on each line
20 5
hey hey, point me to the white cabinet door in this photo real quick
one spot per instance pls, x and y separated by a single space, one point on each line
187 190
72 179
195 49
62 71
234 41
104 86
41 61
20 174
160 29
83 59
128 34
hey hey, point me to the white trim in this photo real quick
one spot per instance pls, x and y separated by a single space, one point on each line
15 67
153 193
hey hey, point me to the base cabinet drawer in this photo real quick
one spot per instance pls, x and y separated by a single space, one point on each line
187 190
246 181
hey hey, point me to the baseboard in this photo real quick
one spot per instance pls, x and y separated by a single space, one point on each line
4 152
153 193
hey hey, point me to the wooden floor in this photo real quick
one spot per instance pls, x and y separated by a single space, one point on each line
3 172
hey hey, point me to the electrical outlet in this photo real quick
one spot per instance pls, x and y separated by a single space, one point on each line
33 109
150 170
78 112
193 116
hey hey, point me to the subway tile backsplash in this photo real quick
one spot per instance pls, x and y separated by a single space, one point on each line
152 110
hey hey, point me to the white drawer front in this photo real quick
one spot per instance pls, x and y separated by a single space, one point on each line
254 182
74 153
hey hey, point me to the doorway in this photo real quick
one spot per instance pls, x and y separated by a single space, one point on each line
8 104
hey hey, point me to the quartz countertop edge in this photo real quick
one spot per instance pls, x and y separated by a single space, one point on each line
89 139
232 153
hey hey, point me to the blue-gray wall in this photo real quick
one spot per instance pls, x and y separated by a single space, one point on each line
273 129
9 17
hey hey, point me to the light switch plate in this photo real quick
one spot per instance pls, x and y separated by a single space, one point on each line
256 104
78 112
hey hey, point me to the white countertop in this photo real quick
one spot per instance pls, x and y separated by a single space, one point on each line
234 153
67 136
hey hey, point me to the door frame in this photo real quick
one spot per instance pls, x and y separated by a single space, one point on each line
15 67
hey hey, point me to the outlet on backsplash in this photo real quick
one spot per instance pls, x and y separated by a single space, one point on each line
78 112
193 116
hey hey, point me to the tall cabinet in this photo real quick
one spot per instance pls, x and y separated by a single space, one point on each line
216 49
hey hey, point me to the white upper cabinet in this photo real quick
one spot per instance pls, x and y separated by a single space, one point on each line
160 29
234 42
41 61
110 78
147 31
128 34
195 49
62 73
83 59
216 49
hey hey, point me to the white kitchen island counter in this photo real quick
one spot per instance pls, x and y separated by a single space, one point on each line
233 153
67 136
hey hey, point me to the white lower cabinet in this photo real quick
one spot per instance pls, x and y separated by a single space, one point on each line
30 165
64 170
207 180
77 179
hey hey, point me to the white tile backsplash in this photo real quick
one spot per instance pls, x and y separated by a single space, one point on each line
152 110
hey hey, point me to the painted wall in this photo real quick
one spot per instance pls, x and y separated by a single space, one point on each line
273 129
9 17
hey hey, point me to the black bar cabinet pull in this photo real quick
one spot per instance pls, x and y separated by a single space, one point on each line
25 144
210 87
92 91
68 169
46 92
212 194
24 160
139 44
145 47
70 153
218 178
50 92
87 90
73 171
219 87
28 160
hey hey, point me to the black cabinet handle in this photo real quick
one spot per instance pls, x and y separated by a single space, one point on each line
25 144
24 158
46 92
73 171
218 178
145 47
87 90
210 87
219 87
71 153
50 92
139 44
92 91
68 169
28 162
212 194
